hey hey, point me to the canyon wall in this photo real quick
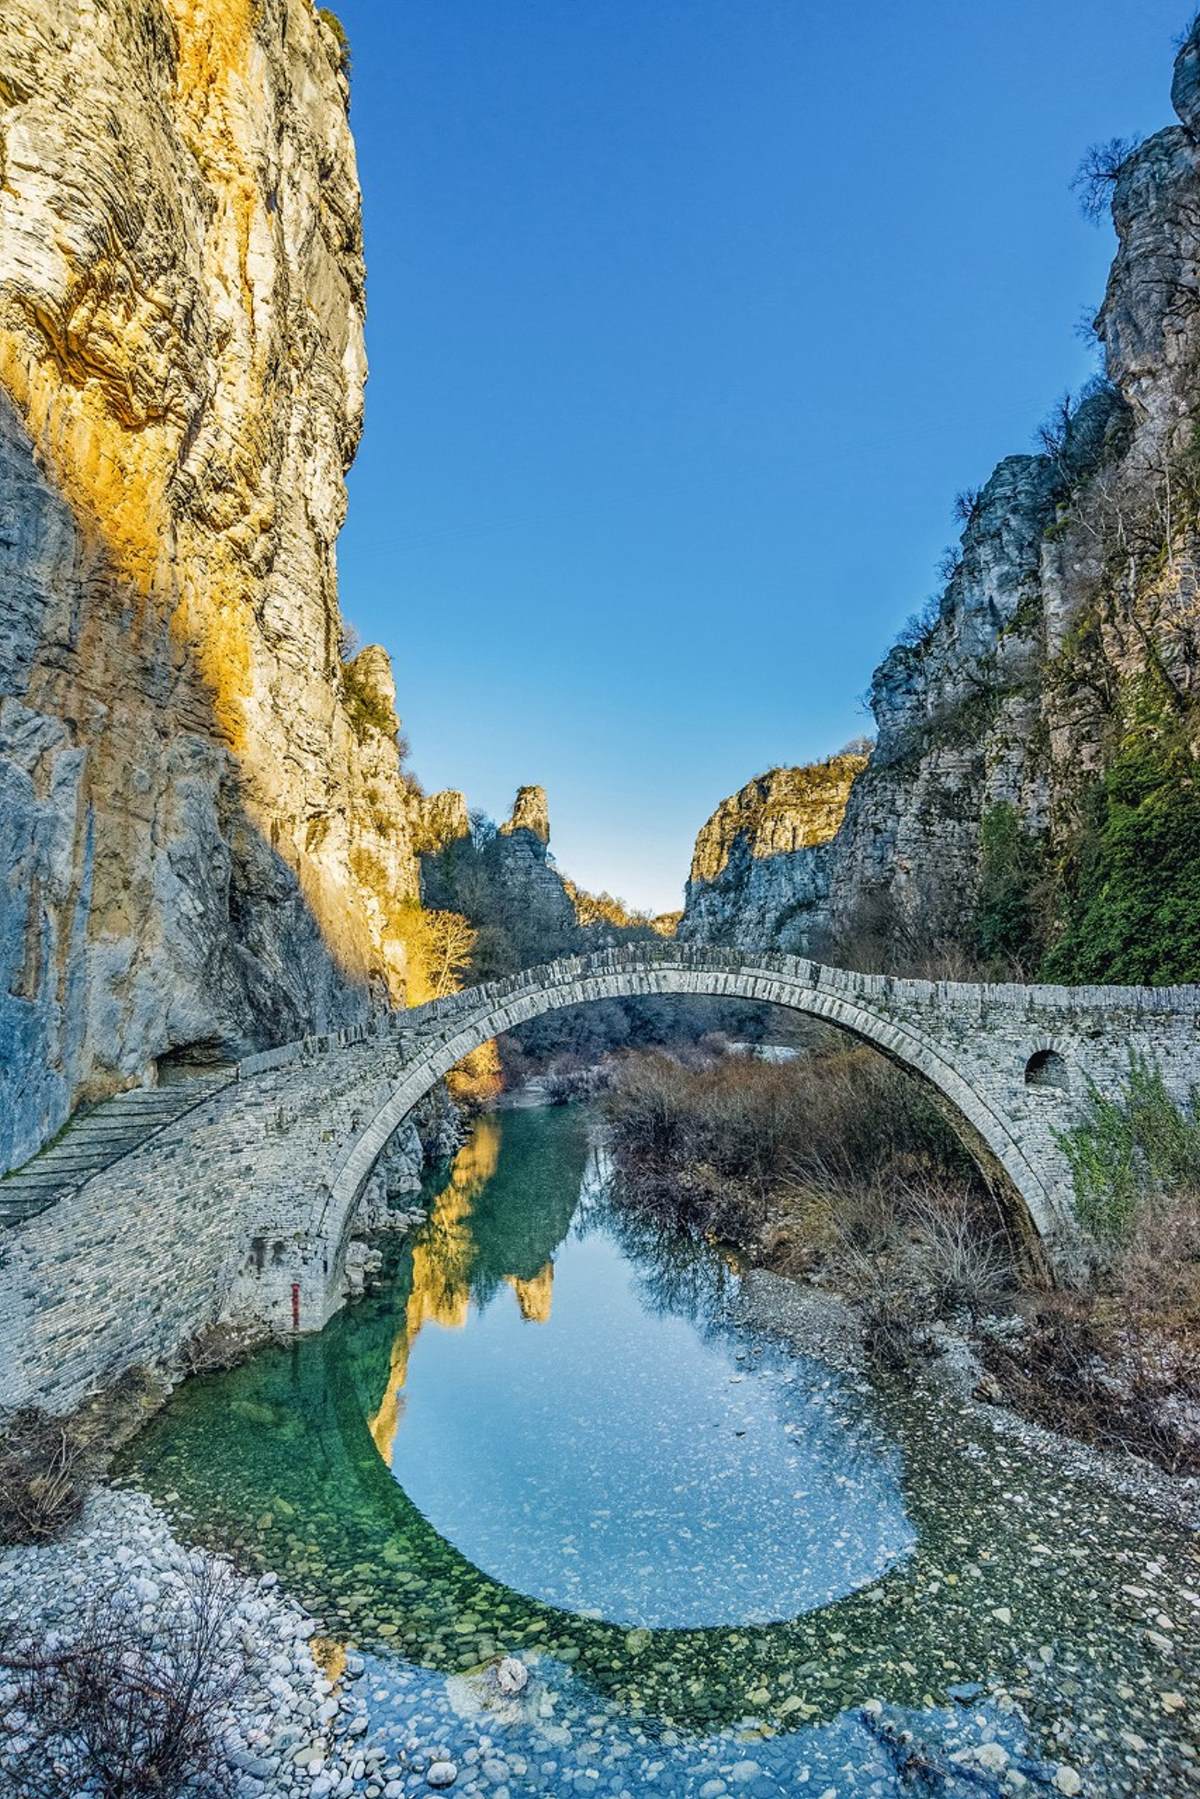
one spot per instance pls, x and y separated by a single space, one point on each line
1030 803
761 869
207 839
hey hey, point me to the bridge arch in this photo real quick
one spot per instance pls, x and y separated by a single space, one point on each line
870 1009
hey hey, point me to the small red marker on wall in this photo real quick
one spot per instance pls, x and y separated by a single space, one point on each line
295 1305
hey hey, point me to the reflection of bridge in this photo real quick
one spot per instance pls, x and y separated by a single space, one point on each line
247 1205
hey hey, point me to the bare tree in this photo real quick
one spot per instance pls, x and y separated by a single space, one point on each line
966 504
1099 170
1054 432
447 940
918 625
949 563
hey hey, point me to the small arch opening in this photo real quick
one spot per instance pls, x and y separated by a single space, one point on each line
1046 1068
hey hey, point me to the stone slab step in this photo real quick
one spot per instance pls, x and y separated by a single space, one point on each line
97 1138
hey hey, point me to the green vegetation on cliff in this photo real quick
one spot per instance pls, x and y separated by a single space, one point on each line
1133 912
1009 911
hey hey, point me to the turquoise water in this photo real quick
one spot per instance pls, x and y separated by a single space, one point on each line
600 1454
727 1568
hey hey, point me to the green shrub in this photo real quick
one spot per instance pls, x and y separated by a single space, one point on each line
1008 920
1134 912
339 31
1127 1153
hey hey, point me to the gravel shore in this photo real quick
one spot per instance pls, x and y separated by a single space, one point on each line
289 1731
821 1324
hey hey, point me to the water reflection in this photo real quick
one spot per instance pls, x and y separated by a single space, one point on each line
619 1461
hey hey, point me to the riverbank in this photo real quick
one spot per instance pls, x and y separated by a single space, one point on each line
819 1323
252 1655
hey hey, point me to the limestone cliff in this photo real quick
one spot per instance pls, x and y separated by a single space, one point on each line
206 834
530 813
525 873
760 872
1031 798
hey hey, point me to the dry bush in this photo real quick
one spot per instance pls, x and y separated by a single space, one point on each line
1116 1363
912 1251
109 1712
1082 1368
217 1348
747 1133
962 1258
43 1478
1157 1270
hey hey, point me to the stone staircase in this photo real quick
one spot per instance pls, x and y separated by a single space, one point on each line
97 1137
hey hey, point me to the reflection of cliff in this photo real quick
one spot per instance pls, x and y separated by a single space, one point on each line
535 1297
485 1231
441 1265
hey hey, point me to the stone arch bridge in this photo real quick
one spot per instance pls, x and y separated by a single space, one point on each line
245 1207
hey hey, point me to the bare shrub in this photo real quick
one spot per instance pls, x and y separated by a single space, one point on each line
1116 1363
958 1256
109 1712
571 1078
1157 1271
1084 1368
218 1347
43 1481
911 1251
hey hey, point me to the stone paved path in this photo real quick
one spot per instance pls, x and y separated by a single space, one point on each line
95 1139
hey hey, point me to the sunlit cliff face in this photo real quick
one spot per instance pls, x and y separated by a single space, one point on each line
181 335
786 809
443 1259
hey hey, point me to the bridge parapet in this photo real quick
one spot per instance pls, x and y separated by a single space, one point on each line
887 990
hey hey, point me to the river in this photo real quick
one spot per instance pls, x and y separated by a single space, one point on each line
727 1567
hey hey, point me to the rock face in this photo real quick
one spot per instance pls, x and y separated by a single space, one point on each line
530 813
206 835
1068 624
760 872
524 870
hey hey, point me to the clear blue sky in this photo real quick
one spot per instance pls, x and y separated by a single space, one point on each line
686 320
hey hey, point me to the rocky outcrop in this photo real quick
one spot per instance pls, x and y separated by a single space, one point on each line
1066 641
760 872
530 813
441 819
206 834
524 870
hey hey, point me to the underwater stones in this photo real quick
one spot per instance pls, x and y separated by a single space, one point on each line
510 1675
441 1774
